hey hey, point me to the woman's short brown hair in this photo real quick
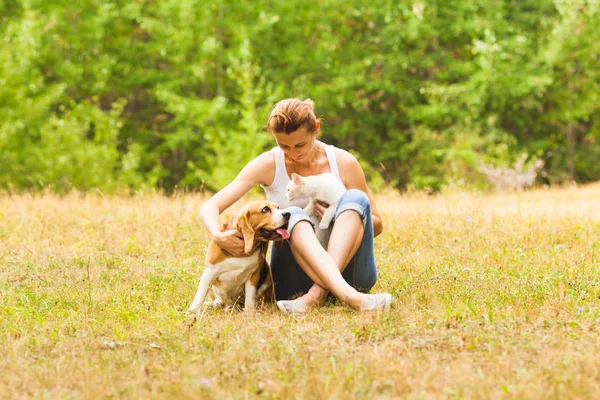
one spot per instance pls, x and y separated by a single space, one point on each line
289 115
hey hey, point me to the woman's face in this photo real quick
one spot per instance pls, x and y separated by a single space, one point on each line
297 145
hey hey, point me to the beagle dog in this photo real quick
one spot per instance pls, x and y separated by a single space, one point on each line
230 277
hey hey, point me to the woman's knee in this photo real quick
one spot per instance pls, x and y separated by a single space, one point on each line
355 196
356 200
297 214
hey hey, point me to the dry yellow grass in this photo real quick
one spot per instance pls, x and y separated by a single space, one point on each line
496 296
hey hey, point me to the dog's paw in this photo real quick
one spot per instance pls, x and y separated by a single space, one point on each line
191 318
191 311
213 304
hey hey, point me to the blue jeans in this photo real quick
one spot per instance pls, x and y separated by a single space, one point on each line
361 272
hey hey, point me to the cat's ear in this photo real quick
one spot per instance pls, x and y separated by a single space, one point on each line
296 178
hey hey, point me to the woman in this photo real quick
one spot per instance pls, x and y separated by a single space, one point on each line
302 266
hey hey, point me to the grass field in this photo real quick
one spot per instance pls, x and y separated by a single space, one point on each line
496 296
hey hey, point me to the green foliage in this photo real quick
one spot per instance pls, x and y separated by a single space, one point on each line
118 94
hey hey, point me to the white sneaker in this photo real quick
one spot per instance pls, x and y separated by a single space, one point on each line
376 302
297 306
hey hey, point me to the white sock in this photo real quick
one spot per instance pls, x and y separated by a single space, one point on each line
376 302
297 306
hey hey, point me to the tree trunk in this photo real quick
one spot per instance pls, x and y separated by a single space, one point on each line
571 152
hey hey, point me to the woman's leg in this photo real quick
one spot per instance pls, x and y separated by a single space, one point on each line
361 269
290 279
323 267
350 245
320 266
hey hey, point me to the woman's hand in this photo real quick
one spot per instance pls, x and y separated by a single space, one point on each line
232 241
320 208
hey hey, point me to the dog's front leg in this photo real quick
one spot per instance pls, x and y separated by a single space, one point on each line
207 279
250 290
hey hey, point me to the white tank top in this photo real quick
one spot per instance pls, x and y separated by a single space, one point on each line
276 190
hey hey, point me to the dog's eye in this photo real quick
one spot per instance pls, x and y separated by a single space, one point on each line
266 209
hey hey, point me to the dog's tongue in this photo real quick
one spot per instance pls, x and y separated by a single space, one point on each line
284 233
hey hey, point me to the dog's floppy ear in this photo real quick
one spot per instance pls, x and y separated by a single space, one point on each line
246 228
296 178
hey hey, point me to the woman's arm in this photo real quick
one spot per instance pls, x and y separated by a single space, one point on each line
261 170
354 178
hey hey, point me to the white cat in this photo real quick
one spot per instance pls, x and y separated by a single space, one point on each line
325 188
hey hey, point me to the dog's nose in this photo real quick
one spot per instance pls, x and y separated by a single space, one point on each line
286 214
